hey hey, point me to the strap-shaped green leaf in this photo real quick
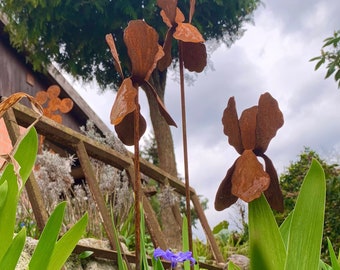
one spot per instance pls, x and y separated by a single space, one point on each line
44 249
12 255
335 262
66 244
267 250
25 155
305 236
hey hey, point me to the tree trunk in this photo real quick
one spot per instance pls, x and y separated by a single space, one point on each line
170 216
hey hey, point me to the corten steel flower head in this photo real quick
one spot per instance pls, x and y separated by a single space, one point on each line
250 135
144 52
192 43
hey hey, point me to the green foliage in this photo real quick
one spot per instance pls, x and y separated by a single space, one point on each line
50 253
334 260
330 55
291 181
297 244
14 176
72 32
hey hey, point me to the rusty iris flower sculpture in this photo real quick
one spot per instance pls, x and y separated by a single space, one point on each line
192 43
144 52
250 136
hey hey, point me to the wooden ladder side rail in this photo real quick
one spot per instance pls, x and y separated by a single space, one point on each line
92 182
32 187
204 222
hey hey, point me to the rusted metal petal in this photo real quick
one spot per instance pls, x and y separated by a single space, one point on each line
143 49
53 91
126 128
249 179
169 8
224 198
66 105
165 19
166 60
54 103
273 193
159 55
248 127
110 41
194 56
41 97
269 120
125 102
161 106
231 126
188 33
179 16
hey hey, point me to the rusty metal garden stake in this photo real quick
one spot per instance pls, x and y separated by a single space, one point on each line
185 144
137 186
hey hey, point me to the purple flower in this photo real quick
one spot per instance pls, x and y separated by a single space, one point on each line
174 258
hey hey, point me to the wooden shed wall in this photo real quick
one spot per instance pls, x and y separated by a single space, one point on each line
18 76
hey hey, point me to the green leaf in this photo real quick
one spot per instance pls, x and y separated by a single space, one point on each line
121 263
304 243
10 259
65 245
156 264
44 249
185 241
330 70
220 226
232 266
85 254
143 261
315 58
334 261
264 237
3 193
337 75
324 266
25 154
331 41
318 64
285 227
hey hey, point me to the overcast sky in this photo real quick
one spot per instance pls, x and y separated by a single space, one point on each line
272 56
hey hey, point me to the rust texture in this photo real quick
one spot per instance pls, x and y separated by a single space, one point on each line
250 136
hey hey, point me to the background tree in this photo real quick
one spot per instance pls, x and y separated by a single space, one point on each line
149 152
291 182
330 56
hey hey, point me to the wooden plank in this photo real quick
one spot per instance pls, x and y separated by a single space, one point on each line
162 176
98 197
204 222
68 138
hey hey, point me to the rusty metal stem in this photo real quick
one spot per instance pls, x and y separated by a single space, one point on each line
137 185
185 145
